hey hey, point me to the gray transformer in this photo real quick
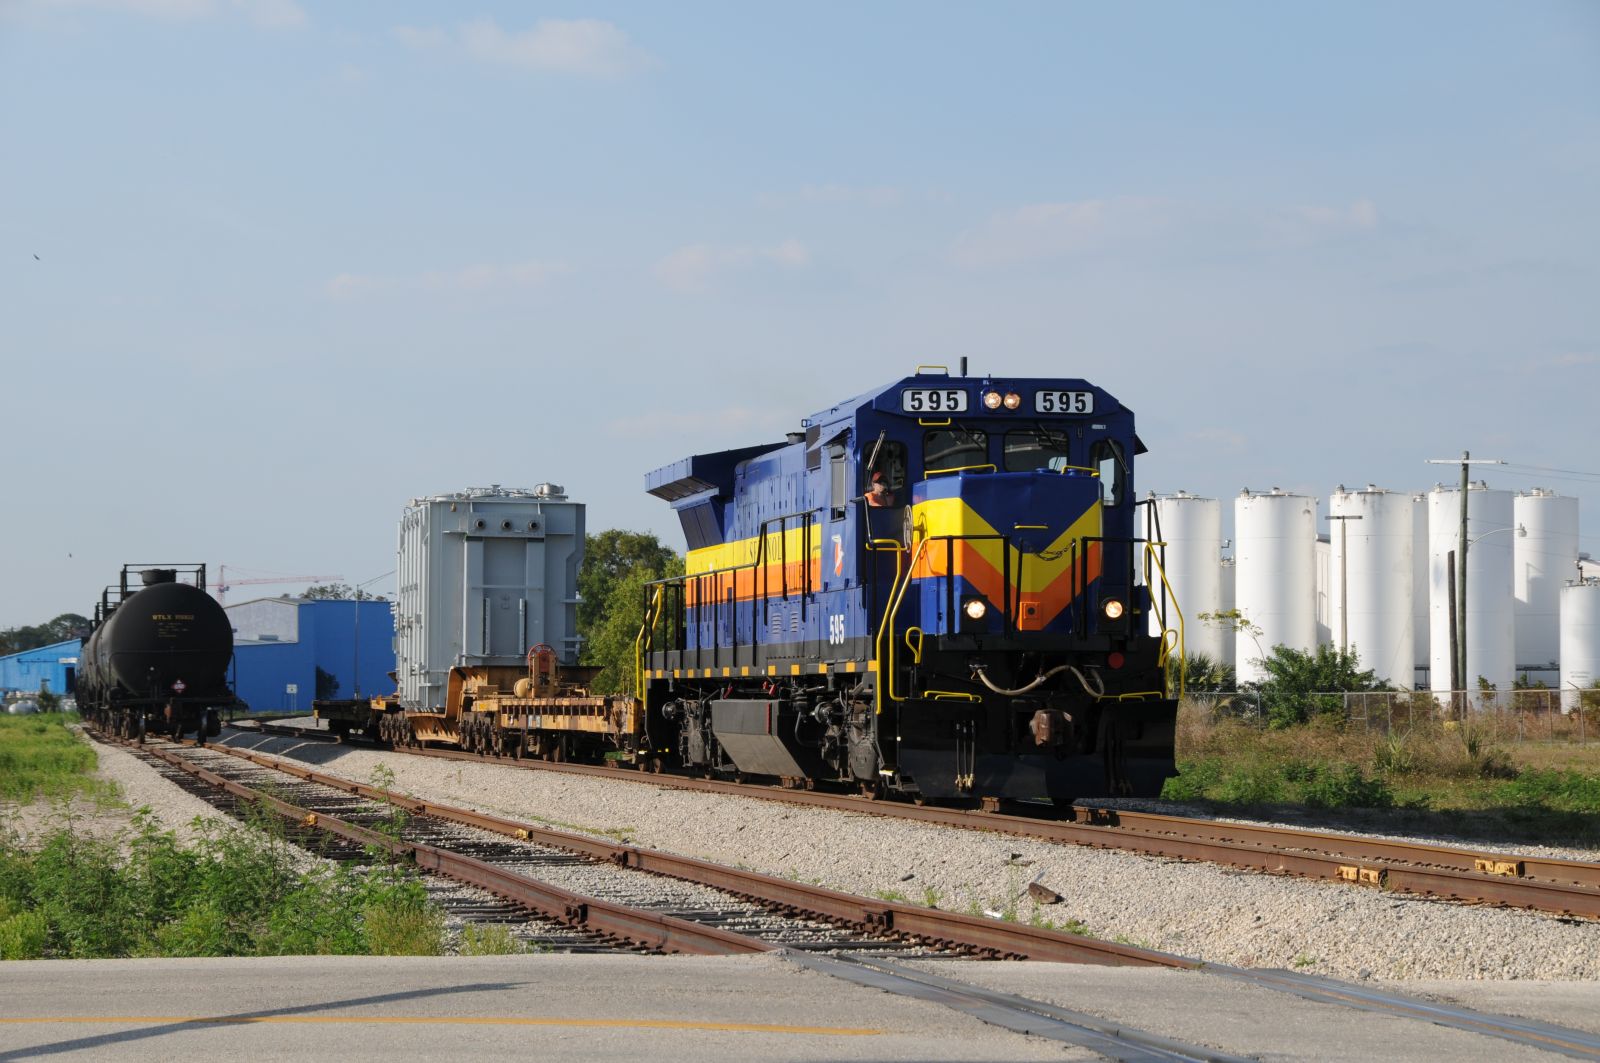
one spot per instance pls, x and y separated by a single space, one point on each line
484 575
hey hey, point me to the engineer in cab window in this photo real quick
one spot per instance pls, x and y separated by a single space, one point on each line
878 493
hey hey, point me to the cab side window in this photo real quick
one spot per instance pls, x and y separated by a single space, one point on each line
838 482
890 465
1106 457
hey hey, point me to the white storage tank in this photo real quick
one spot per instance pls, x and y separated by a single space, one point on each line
1191 527
482 576
1275 538
1580 640
1372 571
1544 557
1419 588
1489 623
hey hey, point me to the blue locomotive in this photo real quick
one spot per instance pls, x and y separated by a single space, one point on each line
934 589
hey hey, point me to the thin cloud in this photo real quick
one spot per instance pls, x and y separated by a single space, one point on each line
472 279
586 47
663 424
694 268
1050 230
269 14
1223 439
1362 214
1570 360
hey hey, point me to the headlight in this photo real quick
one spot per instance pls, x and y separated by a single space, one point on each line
1012 400
1112 608
992 399
975 608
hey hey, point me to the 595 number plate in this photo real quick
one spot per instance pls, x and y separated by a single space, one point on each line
933 400
1063 402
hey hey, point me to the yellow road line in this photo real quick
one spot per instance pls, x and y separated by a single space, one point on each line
443 1020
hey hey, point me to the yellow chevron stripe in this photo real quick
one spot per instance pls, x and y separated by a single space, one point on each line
952 516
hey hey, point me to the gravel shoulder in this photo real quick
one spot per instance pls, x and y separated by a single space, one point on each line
1198 910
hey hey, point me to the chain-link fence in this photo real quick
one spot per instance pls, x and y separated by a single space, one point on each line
1513 715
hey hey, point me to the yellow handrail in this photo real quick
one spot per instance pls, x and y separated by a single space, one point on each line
897 593
1151 558
652 613
916 651
958 468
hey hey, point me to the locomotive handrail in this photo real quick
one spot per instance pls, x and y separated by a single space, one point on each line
960 468
652 614
1151 557
897 593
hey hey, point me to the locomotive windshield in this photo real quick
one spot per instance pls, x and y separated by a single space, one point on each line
955 447
1027 449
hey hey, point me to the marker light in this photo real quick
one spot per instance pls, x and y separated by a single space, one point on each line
975 608
992 399
1012 400
1112 608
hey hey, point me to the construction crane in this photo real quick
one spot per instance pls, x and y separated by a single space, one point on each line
224 585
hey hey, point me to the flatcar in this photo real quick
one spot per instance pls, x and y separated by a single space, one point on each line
934 590
157 660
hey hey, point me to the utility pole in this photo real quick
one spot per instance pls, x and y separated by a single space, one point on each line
1461 561
1344 581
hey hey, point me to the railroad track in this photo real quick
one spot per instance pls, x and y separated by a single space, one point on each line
855 938
1475 876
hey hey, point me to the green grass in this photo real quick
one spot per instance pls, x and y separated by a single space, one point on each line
41 758
1467 779
234 892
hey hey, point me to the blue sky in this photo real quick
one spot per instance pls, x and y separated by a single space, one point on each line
300 262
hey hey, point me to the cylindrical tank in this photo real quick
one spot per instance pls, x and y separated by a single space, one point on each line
1274 587
1544 552
1580 640
1191 527
1371 573
1419 586
1489 622
22 707
156 637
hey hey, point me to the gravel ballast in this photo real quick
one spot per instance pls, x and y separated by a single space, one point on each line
1198 910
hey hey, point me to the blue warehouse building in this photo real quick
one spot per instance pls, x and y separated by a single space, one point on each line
53 668
291 651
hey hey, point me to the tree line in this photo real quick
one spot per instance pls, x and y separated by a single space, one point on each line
32 636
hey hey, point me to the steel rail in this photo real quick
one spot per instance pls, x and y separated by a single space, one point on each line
1564 887
992 936
649 929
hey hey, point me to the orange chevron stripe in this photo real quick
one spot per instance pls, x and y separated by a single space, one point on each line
969 563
